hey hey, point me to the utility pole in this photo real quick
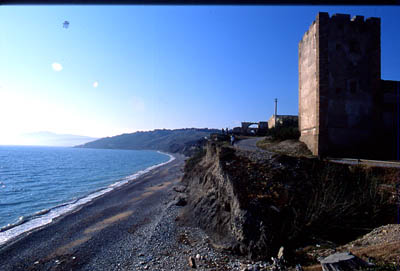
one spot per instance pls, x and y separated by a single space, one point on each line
276 110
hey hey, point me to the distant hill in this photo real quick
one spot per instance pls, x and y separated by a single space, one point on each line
52 139
179 140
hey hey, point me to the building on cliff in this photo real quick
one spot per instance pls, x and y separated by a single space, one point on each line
282 120
259 128
345 108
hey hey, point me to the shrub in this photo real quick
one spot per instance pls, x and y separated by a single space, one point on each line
194 159
284 133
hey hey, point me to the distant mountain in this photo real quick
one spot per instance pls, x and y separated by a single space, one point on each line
178 140
52 139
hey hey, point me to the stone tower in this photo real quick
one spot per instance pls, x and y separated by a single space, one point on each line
339 85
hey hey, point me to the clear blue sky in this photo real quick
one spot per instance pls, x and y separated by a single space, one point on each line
157 66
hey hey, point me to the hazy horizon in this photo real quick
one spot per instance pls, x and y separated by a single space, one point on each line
122 69
50 139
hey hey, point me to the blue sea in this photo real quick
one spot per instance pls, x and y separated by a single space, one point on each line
38 184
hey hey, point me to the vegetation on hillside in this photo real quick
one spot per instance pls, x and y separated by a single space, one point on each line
254 204
289 147
284 132
184 141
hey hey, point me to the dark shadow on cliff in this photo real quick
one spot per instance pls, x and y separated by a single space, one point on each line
254 206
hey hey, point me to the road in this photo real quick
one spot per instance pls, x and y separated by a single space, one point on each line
373 163
250 145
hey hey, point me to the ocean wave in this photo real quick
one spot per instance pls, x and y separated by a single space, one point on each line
46 216
21 220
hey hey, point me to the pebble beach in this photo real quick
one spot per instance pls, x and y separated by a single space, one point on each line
130 228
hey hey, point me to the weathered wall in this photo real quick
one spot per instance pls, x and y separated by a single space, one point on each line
308 86
263 125
391 118
271 122
339 85
349 82
390 109
246 127
283 120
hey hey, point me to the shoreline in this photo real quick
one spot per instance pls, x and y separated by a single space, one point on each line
133 227
16 231
95 224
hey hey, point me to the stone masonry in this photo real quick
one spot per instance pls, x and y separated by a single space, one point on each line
342 110
283 120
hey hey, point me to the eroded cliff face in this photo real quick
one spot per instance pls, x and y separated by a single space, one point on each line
254 203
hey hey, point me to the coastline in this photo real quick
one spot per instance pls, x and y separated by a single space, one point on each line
93 221
16 231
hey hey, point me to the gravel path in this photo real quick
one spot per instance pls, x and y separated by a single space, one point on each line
248 144
248 148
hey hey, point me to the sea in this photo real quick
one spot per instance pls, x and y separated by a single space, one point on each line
38 184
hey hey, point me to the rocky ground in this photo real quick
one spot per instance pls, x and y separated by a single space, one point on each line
170 246
137 228
381 247
288 147
319 248
131 228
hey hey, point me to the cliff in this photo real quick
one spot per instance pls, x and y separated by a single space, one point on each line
253 203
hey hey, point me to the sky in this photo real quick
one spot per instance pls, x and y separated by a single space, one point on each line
121 69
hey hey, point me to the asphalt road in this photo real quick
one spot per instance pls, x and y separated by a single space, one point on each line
248 144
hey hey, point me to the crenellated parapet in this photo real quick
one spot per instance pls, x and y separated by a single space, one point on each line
340 94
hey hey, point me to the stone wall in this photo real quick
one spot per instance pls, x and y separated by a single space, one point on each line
391 118
246 125
339 85
308 86
261 129
283 120
349 84
263 125
391 96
